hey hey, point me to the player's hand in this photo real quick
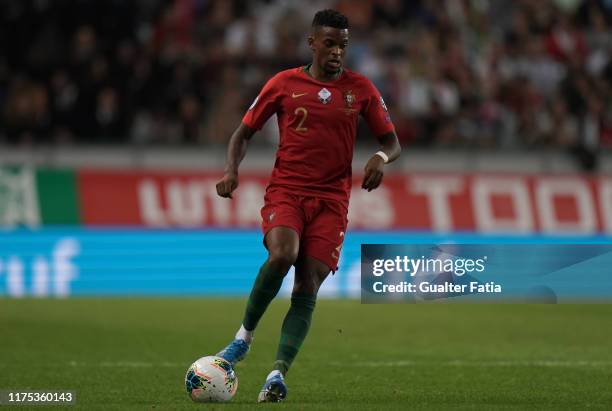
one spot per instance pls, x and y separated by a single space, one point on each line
373 173
227 185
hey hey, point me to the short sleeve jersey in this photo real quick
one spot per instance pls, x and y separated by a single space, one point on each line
318 126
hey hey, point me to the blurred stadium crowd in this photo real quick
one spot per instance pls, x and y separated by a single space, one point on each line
455 73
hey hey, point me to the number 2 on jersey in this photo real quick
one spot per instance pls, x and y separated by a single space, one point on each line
300 127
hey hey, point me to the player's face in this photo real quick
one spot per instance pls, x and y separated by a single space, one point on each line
329 46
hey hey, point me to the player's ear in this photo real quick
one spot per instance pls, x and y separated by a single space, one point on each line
311 41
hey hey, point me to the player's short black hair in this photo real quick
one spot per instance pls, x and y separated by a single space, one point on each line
330 18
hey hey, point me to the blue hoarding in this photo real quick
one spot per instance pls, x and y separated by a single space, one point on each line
100 261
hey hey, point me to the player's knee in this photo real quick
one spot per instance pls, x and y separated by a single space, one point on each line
283 256
309 277
306 286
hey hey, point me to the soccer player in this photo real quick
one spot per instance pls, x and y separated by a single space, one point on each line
306 202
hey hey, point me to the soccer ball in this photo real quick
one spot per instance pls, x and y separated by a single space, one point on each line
211 379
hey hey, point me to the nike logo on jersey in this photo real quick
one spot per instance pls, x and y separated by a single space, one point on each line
296 95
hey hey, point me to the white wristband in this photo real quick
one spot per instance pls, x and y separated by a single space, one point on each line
383 156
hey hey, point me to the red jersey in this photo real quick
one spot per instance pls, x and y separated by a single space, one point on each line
318 124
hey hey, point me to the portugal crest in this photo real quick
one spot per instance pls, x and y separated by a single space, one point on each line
349 98
324 96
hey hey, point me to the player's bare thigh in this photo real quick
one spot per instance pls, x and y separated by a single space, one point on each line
309 275
283 244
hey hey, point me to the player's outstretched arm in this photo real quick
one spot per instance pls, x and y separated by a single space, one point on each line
390 150
236 149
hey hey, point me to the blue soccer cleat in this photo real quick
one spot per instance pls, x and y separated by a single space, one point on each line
235 351
274 389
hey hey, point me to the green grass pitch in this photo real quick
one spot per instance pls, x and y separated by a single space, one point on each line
133 353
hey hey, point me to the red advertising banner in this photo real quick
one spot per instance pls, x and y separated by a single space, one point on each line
502 203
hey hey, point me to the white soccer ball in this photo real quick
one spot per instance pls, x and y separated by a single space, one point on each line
211 379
